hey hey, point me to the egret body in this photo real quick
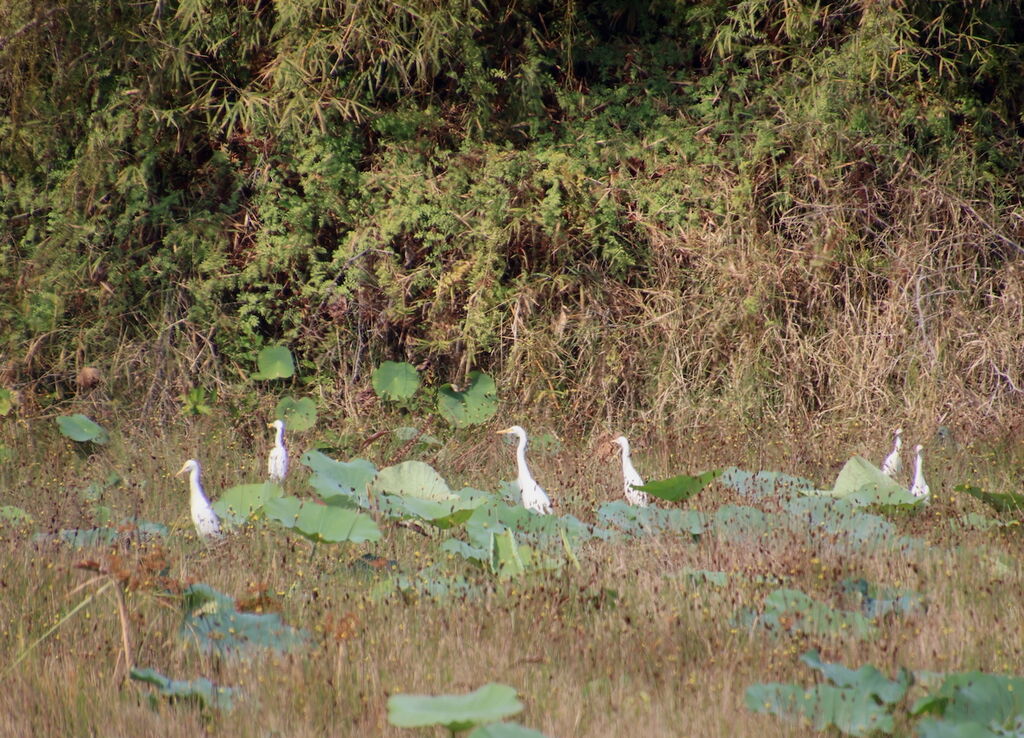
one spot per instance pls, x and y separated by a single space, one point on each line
631 479
277 462
920 487
203 516
893 464
533 496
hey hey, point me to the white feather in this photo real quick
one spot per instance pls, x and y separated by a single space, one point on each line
631 479
893 464
920 487
277 462
203 516
532 494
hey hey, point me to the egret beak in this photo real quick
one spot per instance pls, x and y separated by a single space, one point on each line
270 425
182 470
507 430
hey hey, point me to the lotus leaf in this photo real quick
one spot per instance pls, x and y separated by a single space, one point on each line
763 484
79 428
298 413
1006 502
201 690
863 483
680 488
412 479
640 521
345 479
504 730
395 380
213 621
274 362
488 704
322 523
237 504
476 404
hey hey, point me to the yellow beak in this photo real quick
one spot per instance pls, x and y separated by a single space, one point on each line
507 430
182 470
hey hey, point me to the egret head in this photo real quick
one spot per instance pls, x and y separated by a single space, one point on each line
514 429
277 425
899 432
918 449
190 465
621 440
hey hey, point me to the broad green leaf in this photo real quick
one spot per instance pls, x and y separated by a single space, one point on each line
6 401
876 601
212 619
347 479
443 514
395 381
488 704
792 611
298 413
851 711
504 730
12 514
763 484
406 433
322 523
201 690
477 404
274 362
865 679
1007 502
682 487
79 428
864 483
648 521
237 504
412 479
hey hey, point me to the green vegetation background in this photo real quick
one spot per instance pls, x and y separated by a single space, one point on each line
743 211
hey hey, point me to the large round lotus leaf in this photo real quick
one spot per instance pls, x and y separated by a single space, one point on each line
490 703
339 478
323 523
504 730
274 362
79 428
202 690
863 482
237 504
412 479
298 413
395 380
682 487
477 404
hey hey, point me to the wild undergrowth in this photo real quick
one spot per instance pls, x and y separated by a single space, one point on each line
751 214
659 634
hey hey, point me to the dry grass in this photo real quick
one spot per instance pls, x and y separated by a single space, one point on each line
623 646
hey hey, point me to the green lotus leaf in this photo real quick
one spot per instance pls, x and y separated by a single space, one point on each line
201 690
395 381
237 504
298 413
274 362
322 523
412 479
79 428
680 488
476 404
488 704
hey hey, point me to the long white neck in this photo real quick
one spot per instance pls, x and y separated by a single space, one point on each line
627 462
898 444
280 435
196 485
917 467
524 472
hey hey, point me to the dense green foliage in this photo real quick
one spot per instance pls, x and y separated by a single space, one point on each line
794 206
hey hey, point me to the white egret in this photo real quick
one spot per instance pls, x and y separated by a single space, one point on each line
203 516
920 487
631 479
893 464
533 496
277 462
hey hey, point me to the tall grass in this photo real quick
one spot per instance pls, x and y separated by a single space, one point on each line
624 646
